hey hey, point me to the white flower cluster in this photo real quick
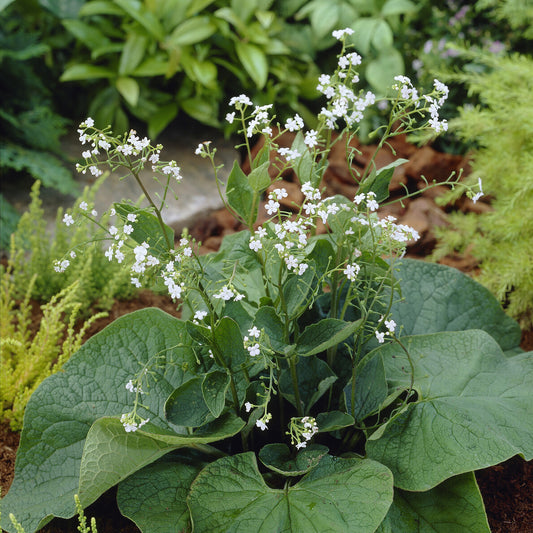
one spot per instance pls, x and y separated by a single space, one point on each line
251 342
132 422
391 327
302 430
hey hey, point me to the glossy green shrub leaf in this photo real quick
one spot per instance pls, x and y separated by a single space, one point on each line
324 334
230 493
162 487
202 109
62 410
63 9
99 7
88 34
473 408
279 458
363 31
333 420
129 89
191 31
83 71
186 405
441 298
254 61
454 505
139 12
159 120
132 53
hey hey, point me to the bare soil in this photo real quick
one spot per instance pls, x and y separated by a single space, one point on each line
507 488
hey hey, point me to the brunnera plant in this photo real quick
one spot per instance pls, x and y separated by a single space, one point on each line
315 382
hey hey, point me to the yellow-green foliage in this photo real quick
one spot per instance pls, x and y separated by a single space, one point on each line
33 252
27 359
503 129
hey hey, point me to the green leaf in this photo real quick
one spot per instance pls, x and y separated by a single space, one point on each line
473 408
254 61
454 505
88 34
370 390
139 12
239 192
324 19
444 299
315 378
186 405
228 338
153 66
214 387
259 178
268 319
162 487
398 7
83 71
303 165
322 335
5 3
9 218
129 89
230 493
159 120
278 458
111 454
132 53
333 420
39 164
204 110
147 228
382 37
191 31
378 182
363 31
296 292
100 7
380 72
90 386
63 9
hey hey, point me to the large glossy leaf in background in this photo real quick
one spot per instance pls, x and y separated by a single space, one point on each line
473 408
61 412
453 506
339 495
440 298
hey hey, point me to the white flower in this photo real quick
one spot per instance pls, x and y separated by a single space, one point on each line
390 325
225 293
479 194
380 337
339 34
311 139
242 99
254 332
289 154
94 213
255 245
200 315
128 229
230 117
68 220
84 206
136 282
351 271
261 425
272 207
86 154
89 123
294 124
248 406
132 217
254 350
291 262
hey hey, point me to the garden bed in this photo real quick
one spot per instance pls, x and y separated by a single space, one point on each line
507 488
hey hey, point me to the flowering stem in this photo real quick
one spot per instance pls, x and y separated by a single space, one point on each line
294 377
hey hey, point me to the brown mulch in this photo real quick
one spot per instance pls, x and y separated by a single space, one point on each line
507 488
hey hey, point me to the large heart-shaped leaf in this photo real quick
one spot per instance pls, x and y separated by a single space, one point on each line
454 505
341 495
473 408
440 298
162 487
110 454
91 385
